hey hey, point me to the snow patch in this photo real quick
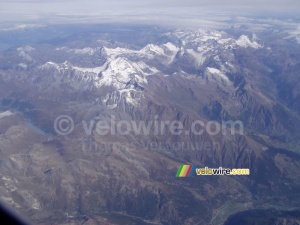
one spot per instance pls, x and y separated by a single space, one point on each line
199 56
217 74
23 52
5 114
23 65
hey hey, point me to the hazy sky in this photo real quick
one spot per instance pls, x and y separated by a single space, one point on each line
138 10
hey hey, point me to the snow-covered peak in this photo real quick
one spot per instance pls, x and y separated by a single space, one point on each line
49 65
115 52
245 42
167 51
171 47
151 48
58 66
198 36
121 71
61 67
117 72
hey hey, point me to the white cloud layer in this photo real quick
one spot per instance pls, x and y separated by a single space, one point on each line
127 10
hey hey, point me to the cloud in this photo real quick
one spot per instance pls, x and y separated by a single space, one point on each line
118 10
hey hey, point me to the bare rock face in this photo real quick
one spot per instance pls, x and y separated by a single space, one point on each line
128 174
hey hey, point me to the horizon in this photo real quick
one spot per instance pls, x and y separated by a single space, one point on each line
189 13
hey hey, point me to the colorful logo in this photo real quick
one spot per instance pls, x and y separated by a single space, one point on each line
185 170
